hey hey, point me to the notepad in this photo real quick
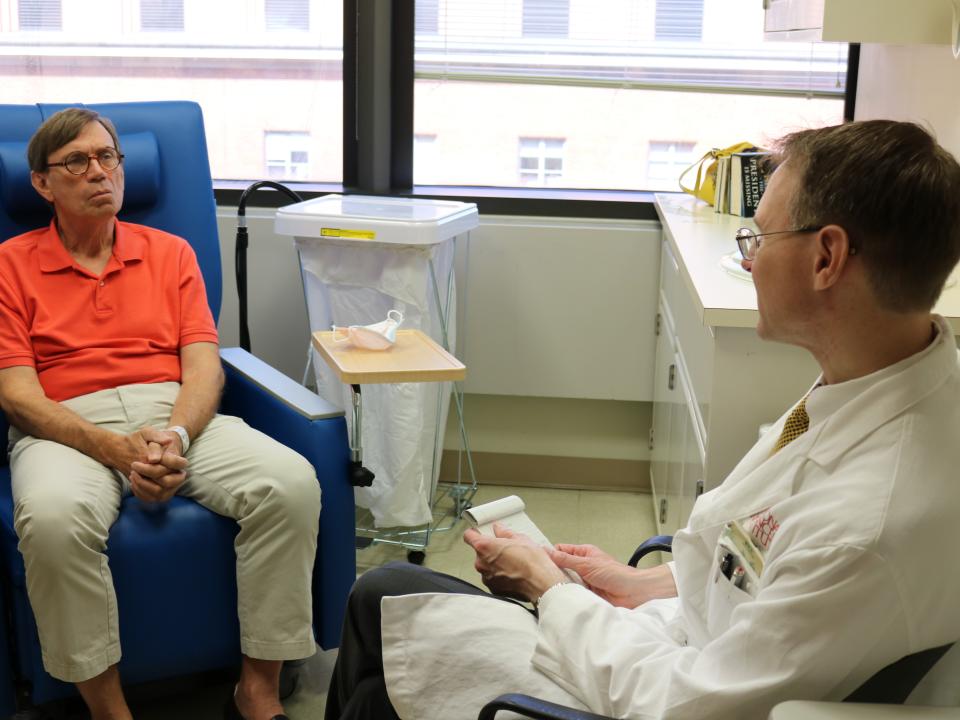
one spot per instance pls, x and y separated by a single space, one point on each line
511 513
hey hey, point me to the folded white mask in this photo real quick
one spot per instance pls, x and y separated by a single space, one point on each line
378 336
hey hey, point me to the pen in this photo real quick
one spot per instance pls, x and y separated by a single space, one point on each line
739 577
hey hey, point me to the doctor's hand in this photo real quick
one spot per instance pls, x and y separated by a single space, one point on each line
617 583
512 565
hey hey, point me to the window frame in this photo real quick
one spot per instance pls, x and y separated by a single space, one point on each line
364 25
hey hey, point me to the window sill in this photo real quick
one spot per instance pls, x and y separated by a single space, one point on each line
544 202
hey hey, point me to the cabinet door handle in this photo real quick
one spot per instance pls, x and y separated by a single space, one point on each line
672 377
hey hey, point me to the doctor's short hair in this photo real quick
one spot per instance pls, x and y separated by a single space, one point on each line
61 128
895 191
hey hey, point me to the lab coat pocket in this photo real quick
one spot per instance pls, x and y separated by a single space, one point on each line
722 597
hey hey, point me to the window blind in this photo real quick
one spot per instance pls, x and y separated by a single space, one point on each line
616 44
39 15
287 14
161 15
679 20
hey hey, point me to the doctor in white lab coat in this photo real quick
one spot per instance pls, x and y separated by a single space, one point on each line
828 553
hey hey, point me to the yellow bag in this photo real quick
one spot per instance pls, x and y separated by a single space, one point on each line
705 186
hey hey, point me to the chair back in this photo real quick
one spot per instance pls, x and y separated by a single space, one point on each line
166 169
166 172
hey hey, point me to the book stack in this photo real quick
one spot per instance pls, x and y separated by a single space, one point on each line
741 180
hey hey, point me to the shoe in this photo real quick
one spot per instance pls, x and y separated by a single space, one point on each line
232 712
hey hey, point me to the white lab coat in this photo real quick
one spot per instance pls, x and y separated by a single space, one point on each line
860 525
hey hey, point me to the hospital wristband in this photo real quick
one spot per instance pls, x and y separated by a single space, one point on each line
184 437
536 603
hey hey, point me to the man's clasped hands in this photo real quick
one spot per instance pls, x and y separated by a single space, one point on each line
152 460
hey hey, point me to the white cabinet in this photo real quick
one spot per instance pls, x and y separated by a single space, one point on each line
715 381
676 468
866 21
676 437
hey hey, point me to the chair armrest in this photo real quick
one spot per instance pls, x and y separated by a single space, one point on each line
256 372
532 707
292 415
657 543
810 710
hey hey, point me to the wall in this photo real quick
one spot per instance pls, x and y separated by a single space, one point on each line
559 341
918 82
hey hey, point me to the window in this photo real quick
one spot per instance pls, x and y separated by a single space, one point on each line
287 155
608 85
287 14
541 160
428 17
161 15
216 52
39 15
665 161
546 18
425 153
679 20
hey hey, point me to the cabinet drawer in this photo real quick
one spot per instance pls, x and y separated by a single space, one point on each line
670 282
695 342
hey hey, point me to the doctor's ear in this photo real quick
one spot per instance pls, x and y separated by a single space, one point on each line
833 251
40 184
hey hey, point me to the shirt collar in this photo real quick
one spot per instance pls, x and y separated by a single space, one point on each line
824 400
128 246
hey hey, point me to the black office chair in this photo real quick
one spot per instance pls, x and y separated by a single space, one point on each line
890 686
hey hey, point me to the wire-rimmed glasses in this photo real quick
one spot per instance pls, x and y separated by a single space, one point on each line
748 241
77 163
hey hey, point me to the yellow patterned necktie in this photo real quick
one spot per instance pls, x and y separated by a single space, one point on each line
797 423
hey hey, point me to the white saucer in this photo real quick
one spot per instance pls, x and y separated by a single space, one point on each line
731 264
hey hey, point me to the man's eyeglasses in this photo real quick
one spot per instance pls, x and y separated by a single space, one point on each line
77 163
748 241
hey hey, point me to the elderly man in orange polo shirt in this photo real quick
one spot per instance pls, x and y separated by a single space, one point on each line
110 376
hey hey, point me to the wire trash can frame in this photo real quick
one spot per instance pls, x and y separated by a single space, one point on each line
360 257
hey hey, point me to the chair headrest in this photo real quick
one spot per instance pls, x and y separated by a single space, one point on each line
141 167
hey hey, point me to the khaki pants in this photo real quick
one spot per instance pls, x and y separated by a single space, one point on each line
65 503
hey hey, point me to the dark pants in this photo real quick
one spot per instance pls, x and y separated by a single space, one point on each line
357 688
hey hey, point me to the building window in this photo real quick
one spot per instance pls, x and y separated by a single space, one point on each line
666 160
427 17
287 155
541 160
39 15
425 157
611 87
287 14
679 20
161 15
546 18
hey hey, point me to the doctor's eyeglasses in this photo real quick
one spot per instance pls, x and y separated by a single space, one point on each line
748 241
77 163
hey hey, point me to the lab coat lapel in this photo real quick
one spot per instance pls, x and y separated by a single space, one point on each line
760 480
884 401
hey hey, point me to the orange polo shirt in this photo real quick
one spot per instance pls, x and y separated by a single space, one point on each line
85 333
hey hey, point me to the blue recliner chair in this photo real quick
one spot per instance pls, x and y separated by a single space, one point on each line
174 569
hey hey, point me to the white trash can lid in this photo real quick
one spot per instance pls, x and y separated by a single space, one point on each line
381 220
